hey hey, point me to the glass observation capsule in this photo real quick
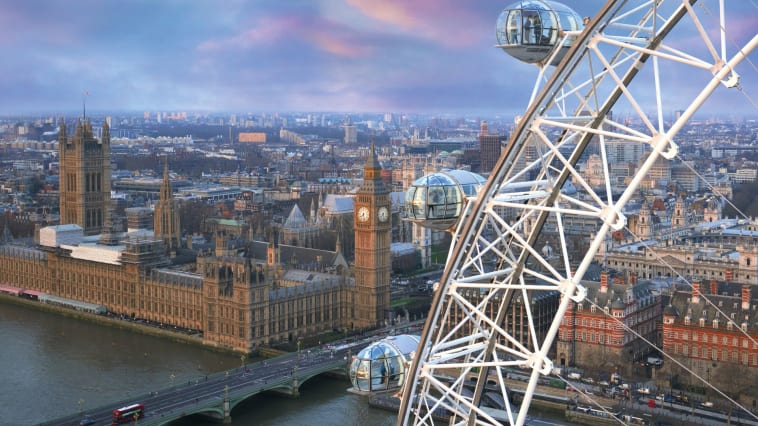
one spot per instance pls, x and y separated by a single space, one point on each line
382 365
530 30
436 200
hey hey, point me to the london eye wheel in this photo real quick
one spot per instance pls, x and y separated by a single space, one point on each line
611 79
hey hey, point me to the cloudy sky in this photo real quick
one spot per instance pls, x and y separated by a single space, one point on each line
269 55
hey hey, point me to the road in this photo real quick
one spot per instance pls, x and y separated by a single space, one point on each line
210 391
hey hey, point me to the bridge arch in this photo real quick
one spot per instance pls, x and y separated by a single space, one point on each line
289 387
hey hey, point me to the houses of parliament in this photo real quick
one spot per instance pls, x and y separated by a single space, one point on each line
239 296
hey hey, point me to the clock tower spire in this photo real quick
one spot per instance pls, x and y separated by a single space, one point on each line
372 246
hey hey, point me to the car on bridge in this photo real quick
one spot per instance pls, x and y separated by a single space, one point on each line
86 421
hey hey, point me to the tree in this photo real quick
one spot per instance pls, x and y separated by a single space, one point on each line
735 381
192 215
744 201
34 185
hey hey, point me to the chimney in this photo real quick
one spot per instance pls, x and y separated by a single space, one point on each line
714 287
745 297
696 291
633 278
604 282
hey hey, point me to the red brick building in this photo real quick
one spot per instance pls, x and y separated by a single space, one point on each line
712 330
591 335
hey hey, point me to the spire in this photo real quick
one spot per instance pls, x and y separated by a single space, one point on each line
296 219
62 131
166 190
259 231
166 220
372 169
79 131
106 135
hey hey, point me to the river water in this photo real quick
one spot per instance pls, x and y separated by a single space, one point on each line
53 366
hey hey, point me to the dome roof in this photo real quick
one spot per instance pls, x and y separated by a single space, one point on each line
390 346
434 179
436 200
470 182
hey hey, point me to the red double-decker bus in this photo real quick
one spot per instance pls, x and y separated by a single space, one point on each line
128 414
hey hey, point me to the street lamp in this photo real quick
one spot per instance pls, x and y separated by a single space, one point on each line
81 405
242 358
171 378
298 347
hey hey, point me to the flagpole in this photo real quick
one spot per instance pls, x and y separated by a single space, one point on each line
84 105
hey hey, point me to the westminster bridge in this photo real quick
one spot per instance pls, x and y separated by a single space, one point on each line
216 395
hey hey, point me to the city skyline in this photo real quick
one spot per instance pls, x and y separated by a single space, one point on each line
340 55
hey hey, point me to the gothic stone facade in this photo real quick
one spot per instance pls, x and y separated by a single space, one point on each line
237 302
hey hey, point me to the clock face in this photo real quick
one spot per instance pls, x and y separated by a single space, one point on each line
363 214
383 214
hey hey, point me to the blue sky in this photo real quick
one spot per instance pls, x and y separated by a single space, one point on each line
278 55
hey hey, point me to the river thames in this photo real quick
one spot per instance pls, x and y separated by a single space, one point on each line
54 366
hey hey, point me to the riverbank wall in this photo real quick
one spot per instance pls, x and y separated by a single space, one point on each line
115 322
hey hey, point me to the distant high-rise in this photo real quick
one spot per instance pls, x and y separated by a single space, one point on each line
489 149
351 132
85 176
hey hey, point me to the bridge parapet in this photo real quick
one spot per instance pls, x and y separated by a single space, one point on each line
217 394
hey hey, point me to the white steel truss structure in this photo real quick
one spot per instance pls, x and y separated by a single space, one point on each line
496 259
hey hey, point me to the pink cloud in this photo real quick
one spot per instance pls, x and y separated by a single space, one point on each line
396 14
16 25
443 21
323 35
267 31
336 45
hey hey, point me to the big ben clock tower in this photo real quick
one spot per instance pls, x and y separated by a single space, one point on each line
372 218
